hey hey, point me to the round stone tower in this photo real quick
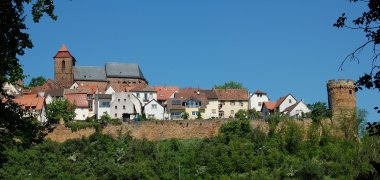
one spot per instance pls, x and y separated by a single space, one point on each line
342 103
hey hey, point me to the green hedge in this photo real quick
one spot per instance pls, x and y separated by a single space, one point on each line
78 125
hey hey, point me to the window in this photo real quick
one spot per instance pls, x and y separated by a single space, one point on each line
192 104
259 103
115 107
259 95
350 91
84 115
118 100
145 96
138 95
90 105
176 102
123 107
105 104
290 100
232 112
125 100
89 97
63 66
154 106
150 116
213 111
232 103
115 114
195 113
241 104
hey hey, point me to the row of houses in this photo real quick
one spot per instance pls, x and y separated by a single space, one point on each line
124 101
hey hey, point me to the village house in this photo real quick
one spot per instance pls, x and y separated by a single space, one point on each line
34 104
51 95
12 89
125 105
285 105
297 110
231 101
164 93
189 100
211 110
256 100
102 105
154 110
80 100
144 94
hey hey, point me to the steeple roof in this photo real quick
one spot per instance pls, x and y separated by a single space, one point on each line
63 48
63 52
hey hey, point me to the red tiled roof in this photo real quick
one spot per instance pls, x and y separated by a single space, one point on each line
91 88
79 100
30 101
260 92
232 94
270 105
77 91
48 85
164 92
279 101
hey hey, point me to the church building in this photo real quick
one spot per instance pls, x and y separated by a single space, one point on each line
112 74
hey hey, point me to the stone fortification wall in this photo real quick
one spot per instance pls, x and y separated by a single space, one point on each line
159 130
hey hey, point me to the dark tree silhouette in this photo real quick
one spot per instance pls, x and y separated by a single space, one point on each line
369 23
15 128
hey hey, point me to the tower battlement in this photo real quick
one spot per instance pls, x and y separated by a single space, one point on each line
341 84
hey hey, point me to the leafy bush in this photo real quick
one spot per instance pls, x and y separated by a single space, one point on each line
78 125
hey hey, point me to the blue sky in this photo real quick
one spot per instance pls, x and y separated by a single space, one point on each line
279 47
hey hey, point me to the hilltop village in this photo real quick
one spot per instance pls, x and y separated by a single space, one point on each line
121 91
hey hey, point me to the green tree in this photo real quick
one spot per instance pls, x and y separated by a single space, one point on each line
14 40
37 81
368 22
18 128
185 115
199 115
60 108
319 111
241 114
230 85
361 115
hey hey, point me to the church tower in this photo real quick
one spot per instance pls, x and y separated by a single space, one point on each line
342 103
63 67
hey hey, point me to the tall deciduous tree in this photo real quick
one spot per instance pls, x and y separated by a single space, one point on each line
369 23
13 36
14 40
60 109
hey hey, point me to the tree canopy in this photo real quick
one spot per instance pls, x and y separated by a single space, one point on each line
13 36
60 108
37 81
368 23
230 85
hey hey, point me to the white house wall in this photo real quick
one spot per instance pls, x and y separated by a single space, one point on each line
255 99
299 109
289 101
211 110
81 113
101 110
157 112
